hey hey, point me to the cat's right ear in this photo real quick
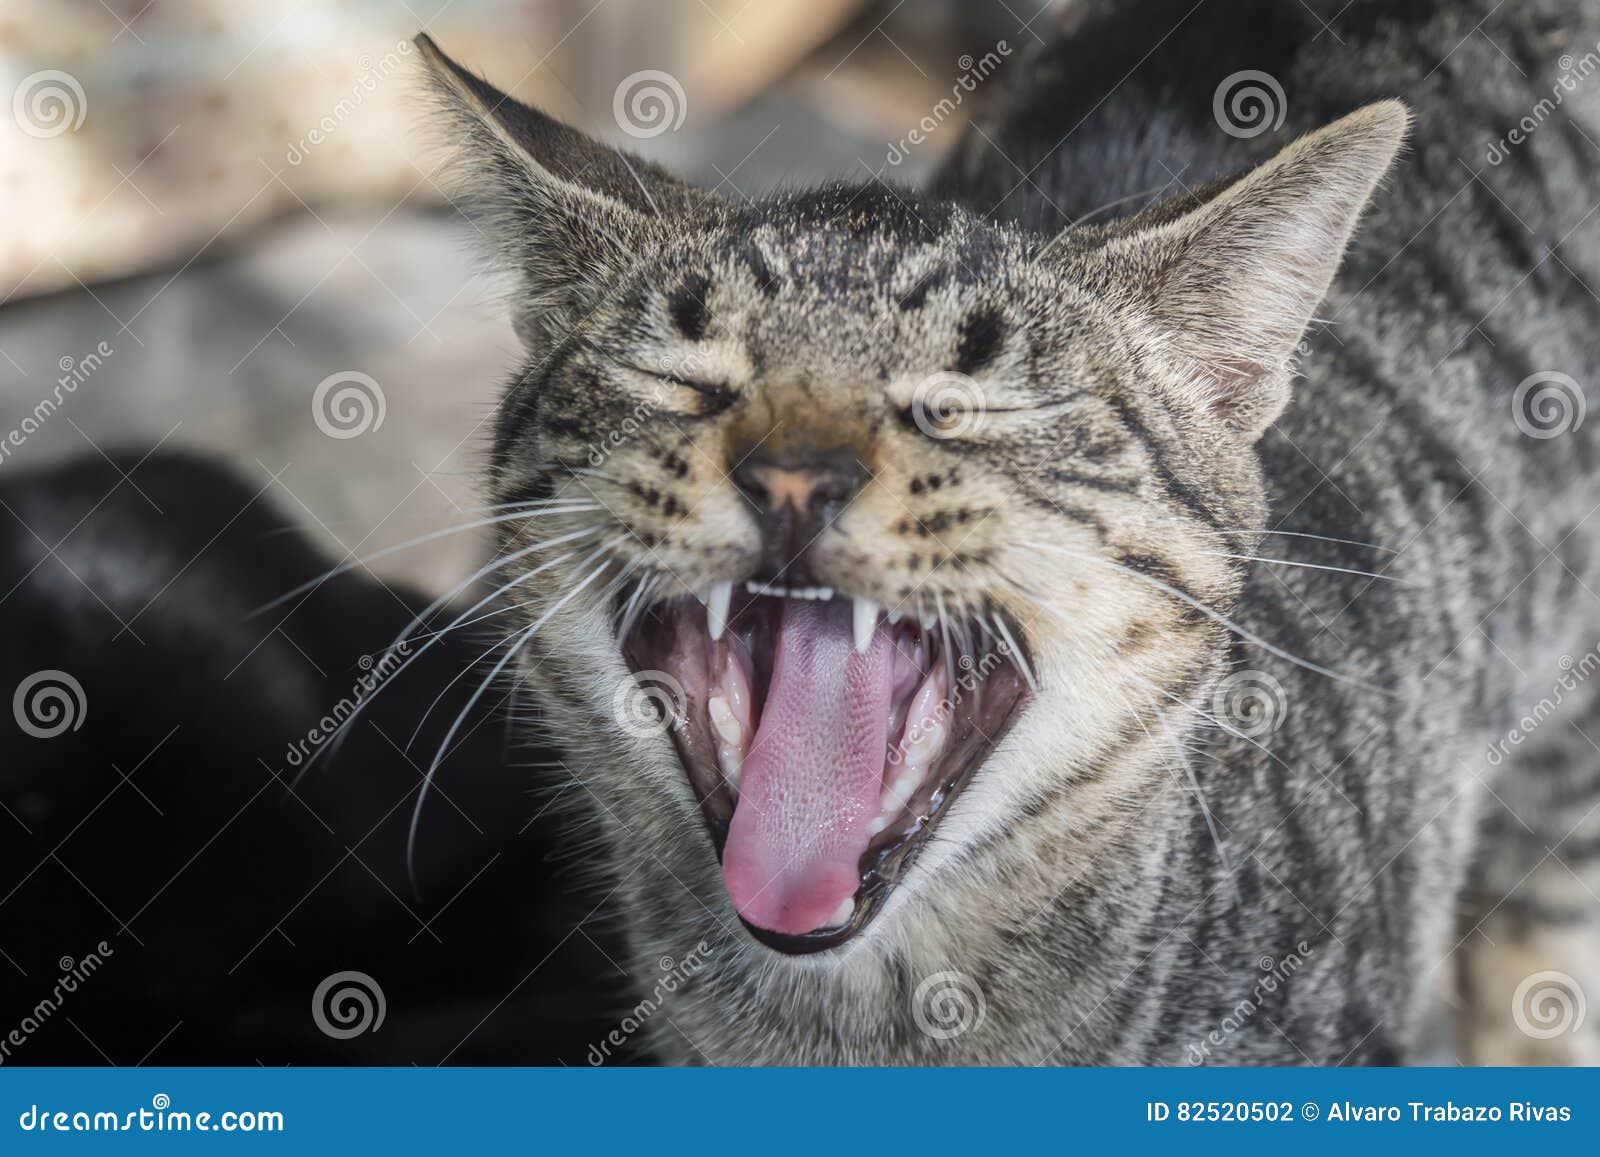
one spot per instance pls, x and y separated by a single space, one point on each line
1219 293
566 213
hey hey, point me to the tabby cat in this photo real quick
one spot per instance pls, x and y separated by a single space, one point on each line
964 623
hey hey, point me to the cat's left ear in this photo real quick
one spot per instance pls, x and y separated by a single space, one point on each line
1220 294
568 214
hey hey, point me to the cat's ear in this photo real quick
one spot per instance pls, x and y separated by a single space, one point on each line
1220 294
565 212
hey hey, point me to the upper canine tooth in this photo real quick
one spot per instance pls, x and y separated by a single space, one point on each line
717 599
866 622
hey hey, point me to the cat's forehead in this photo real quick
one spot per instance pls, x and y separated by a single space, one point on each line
864 237
848 273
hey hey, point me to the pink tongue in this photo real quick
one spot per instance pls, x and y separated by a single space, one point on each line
814 776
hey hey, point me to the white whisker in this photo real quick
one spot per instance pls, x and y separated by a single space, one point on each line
1231 530
1189 600
511 652
1016 653
336 740
352 564
1308 566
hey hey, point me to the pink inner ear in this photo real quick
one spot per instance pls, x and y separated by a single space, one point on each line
1230 286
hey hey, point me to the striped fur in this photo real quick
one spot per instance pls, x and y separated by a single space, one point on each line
1126 873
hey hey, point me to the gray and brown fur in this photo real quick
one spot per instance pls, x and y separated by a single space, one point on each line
1119 875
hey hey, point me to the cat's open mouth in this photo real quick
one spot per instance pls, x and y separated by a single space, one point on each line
823 740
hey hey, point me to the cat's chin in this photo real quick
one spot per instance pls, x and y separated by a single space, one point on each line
823 739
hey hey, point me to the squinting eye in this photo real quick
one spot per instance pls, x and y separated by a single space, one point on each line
716 397
713 397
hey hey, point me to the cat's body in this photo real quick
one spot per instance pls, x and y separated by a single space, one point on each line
1352 826
1128 879
1181 893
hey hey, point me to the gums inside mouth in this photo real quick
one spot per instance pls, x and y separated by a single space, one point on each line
824 740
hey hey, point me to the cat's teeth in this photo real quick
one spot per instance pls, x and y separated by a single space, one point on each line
722 720
909 780
728 712
731 763
772 590
866 622
718 597
895 615
926 732
842 914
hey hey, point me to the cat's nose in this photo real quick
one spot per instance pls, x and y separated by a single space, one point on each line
795 497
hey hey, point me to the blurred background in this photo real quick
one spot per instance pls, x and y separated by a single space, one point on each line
215 207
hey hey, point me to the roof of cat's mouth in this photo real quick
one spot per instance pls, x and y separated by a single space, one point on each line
824 739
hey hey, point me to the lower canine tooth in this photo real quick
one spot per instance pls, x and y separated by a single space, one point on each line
722 720
731 763
842 914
